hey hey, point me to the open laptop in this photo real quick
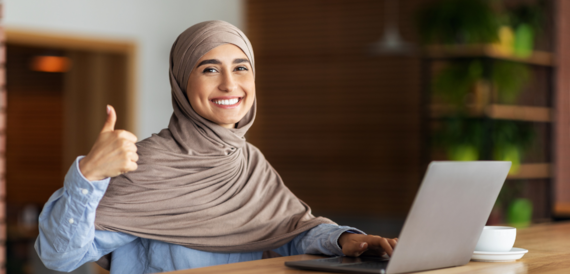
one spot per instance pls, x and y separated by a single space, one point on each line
444 223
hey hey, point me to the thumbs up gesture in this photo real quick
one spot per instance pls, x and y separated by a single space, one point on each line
113 154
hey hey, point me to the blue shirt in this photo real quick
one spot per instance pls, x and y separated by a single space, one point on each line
68 238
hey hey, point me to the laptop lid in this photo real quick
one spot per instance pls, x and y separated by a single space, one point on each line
448 215
443 225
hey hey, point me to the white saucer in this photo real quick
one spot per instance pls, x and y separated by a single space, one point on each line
485 256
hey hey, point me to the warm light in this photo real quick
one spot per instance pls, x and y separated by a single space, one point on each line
50 63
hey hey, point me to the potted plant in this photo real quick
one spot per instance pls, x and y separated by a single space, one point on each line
458 22
519 210
510 140
526 20
462 83
461 138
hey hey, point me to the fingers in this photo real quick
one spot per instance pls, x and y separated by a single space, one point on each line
111 119
114 152
132 156
381 243
393 242
130 166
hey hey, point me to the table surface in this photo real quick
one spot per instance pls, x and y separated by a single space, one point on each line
548 245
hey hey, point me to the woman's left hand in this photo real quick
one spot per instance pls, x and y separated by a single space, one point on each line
355 245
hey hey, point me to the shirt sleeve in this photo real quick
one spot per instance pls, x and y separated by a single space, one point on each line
322 239
67 237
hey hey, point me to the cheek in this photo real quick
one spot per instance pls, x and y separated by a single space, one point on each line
198 93
250 95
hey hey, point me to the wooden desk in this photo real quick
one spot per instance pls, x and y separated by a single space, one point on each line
548 245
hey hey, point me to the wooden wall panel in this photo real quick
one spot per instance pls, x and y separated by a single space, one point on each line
562 111
97 79
42 141
34 147
2 147
35 123
342 127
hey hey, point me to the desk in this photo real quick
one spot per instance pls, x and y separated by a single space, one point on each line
548 245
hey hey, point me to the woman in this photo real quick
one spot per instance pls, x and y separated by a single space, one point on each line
195 194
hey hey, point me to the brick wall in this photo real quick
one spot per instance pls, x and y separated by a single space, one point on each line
2 146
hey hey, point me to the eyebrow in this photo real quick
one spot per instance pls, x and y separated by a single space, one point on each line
217 62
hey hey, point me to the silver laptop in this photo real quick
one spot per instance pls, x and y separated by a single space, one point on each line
444 223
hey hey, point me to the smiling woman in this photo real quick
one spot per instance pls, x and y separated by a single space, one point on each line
222 90
195 194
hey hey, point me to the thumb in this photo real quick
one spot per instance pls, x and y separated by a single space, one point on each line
111 119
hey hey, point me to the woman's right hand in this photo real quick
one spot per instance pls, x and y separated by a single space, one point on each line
113 154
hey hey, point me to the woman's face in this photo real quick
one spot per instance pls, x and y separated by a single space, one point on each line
221 87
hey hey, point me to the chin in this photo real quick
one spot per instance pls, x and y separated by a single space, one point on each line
226 121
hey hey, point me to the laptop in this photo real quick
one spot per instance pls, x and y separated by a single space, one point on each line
442 228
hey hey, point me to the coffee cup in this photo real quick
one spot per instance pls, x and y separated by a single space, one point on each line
496 239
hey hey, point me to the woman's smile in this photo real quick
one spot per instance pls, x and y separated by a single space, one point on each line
226 102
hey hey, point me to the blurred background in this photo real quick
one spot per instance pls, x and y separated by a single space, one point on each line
355 98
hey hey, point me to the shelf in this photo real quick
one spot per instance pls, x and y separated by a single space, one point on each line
522 113
533 171
480 50
496 111
562 209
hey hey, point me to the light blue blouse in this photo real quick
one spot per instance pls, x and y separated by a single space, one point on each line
68 238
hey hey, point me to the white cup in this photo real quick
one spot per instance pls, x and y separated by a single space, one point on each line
496 239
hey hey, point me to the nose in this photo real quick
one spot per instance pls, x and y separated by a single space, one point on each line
228 83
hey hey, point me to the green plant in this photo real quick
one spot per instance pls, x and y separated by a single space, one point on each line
519 213
527 21
461 137
529 14
464 138
458 21
510 140
455 81
512 133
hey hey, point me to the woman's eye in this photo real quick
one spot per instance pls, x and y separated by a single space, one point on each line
241 69
209 70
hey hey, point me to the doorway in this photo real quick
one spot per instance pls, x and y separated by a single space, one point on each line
55 114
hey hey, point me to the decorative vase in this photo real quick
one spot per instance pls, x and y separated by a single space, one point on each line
505 44
519 213
524 41
510 153
481 96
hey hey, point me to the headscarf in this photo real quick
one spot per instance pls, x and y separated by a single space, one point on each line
201 185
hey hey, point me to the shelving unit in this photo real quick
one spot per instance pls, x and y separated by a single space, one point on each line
533 171
498 111
540 58
541 172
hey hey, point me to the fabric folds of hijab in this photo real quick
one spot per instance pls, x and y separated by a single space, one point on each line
201 185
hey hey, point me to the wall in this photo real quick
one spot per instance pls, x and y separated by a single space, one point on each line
153 25
2 148
340 125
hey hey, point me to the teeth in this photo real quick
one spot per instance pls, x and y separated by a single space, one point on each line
227 102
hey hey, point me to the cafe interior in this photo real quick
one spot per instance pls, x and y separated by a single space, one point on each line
354 98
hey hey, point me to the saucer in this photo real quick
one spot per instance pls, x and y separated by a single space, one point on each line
486 256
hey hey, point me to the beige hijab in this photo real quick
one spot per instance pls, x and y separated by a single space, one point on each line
201 185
